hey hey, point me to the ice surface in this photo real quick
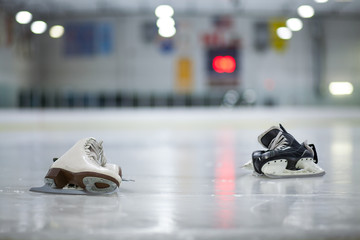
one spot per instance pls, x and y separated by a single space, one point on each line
188 181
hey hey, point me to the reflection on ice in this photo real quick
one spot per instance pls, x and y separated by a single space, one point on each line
342 153
225 179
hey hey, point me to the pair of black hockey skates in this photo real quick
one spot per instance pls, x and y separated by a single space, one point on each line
284 157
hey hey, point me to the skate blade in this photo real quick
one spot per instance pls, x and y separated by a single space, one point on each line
48 189
248 166
91 185
306 166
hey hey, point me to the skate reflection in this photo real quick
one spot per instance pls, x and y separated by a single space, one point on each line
56 210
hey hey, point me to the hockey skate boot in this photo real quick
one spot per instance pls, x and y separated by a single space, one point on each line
285 156
82 170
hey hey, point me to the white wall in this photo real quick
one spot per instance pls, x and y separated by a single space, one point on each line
15 64
343 55
136 66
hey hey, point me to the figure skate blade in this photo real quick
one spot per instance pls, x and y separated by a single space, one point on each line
306 168
91 185
48 189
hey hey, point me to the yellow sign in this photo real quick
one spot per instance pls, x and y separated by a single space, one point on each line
276 42
184 78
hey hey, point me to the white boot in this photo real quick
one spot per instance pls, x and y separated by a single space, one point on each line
83 167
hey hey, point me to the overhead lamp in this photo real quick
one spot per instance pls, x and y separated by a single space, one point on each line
38 27
306 11
56 31
294 24
167 32
284 33
321 1
341 88
23 17
165 22
164 11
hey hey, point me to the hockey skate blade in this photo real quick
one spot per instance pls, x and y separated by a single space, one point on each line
48 189
306 166
248 166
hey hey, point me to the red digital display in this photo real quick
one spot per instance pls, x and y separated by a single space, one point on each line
224 64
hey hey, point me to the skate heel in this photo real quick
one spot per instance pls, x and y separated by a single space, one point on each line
56 178
99 185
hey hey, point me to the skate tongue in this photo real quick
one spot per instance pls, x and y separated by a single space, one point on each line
277 137
94 149
268 136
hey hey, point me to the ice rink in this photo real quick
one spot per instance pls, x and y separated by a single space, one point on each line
188 181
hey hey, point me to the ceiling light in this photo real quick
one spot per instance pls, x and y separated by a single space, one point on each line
284 33
341 88
294 24
306 11
167 32
165 21
321 1
23 17
38 27
56 31
164 11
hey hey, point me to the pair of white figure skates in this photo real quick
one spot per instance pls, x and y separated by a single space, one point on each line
82 170
284 157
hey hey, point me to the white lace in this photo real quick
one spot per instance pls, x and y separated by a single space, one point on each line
279 142
95 151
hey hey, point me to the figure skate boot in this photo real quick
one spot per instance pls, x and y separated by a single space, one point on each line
285 156
82 170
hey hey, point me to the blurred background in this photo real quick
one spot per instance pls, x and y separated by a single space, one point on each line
156 53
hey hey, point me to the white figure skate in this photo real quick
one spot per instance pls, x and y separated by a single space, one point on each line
82 170
285 156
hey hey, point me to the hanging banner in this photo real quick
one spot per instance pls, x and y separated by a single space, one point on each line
88 39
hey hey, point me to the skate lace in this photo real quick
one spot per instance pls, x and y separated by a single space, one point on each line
279 142
95 151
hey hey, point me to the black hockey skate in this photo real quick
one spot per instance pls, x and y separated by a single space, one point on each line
285 156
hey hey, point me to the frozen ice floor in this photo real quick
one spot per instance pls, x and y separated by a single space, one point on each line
188 180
